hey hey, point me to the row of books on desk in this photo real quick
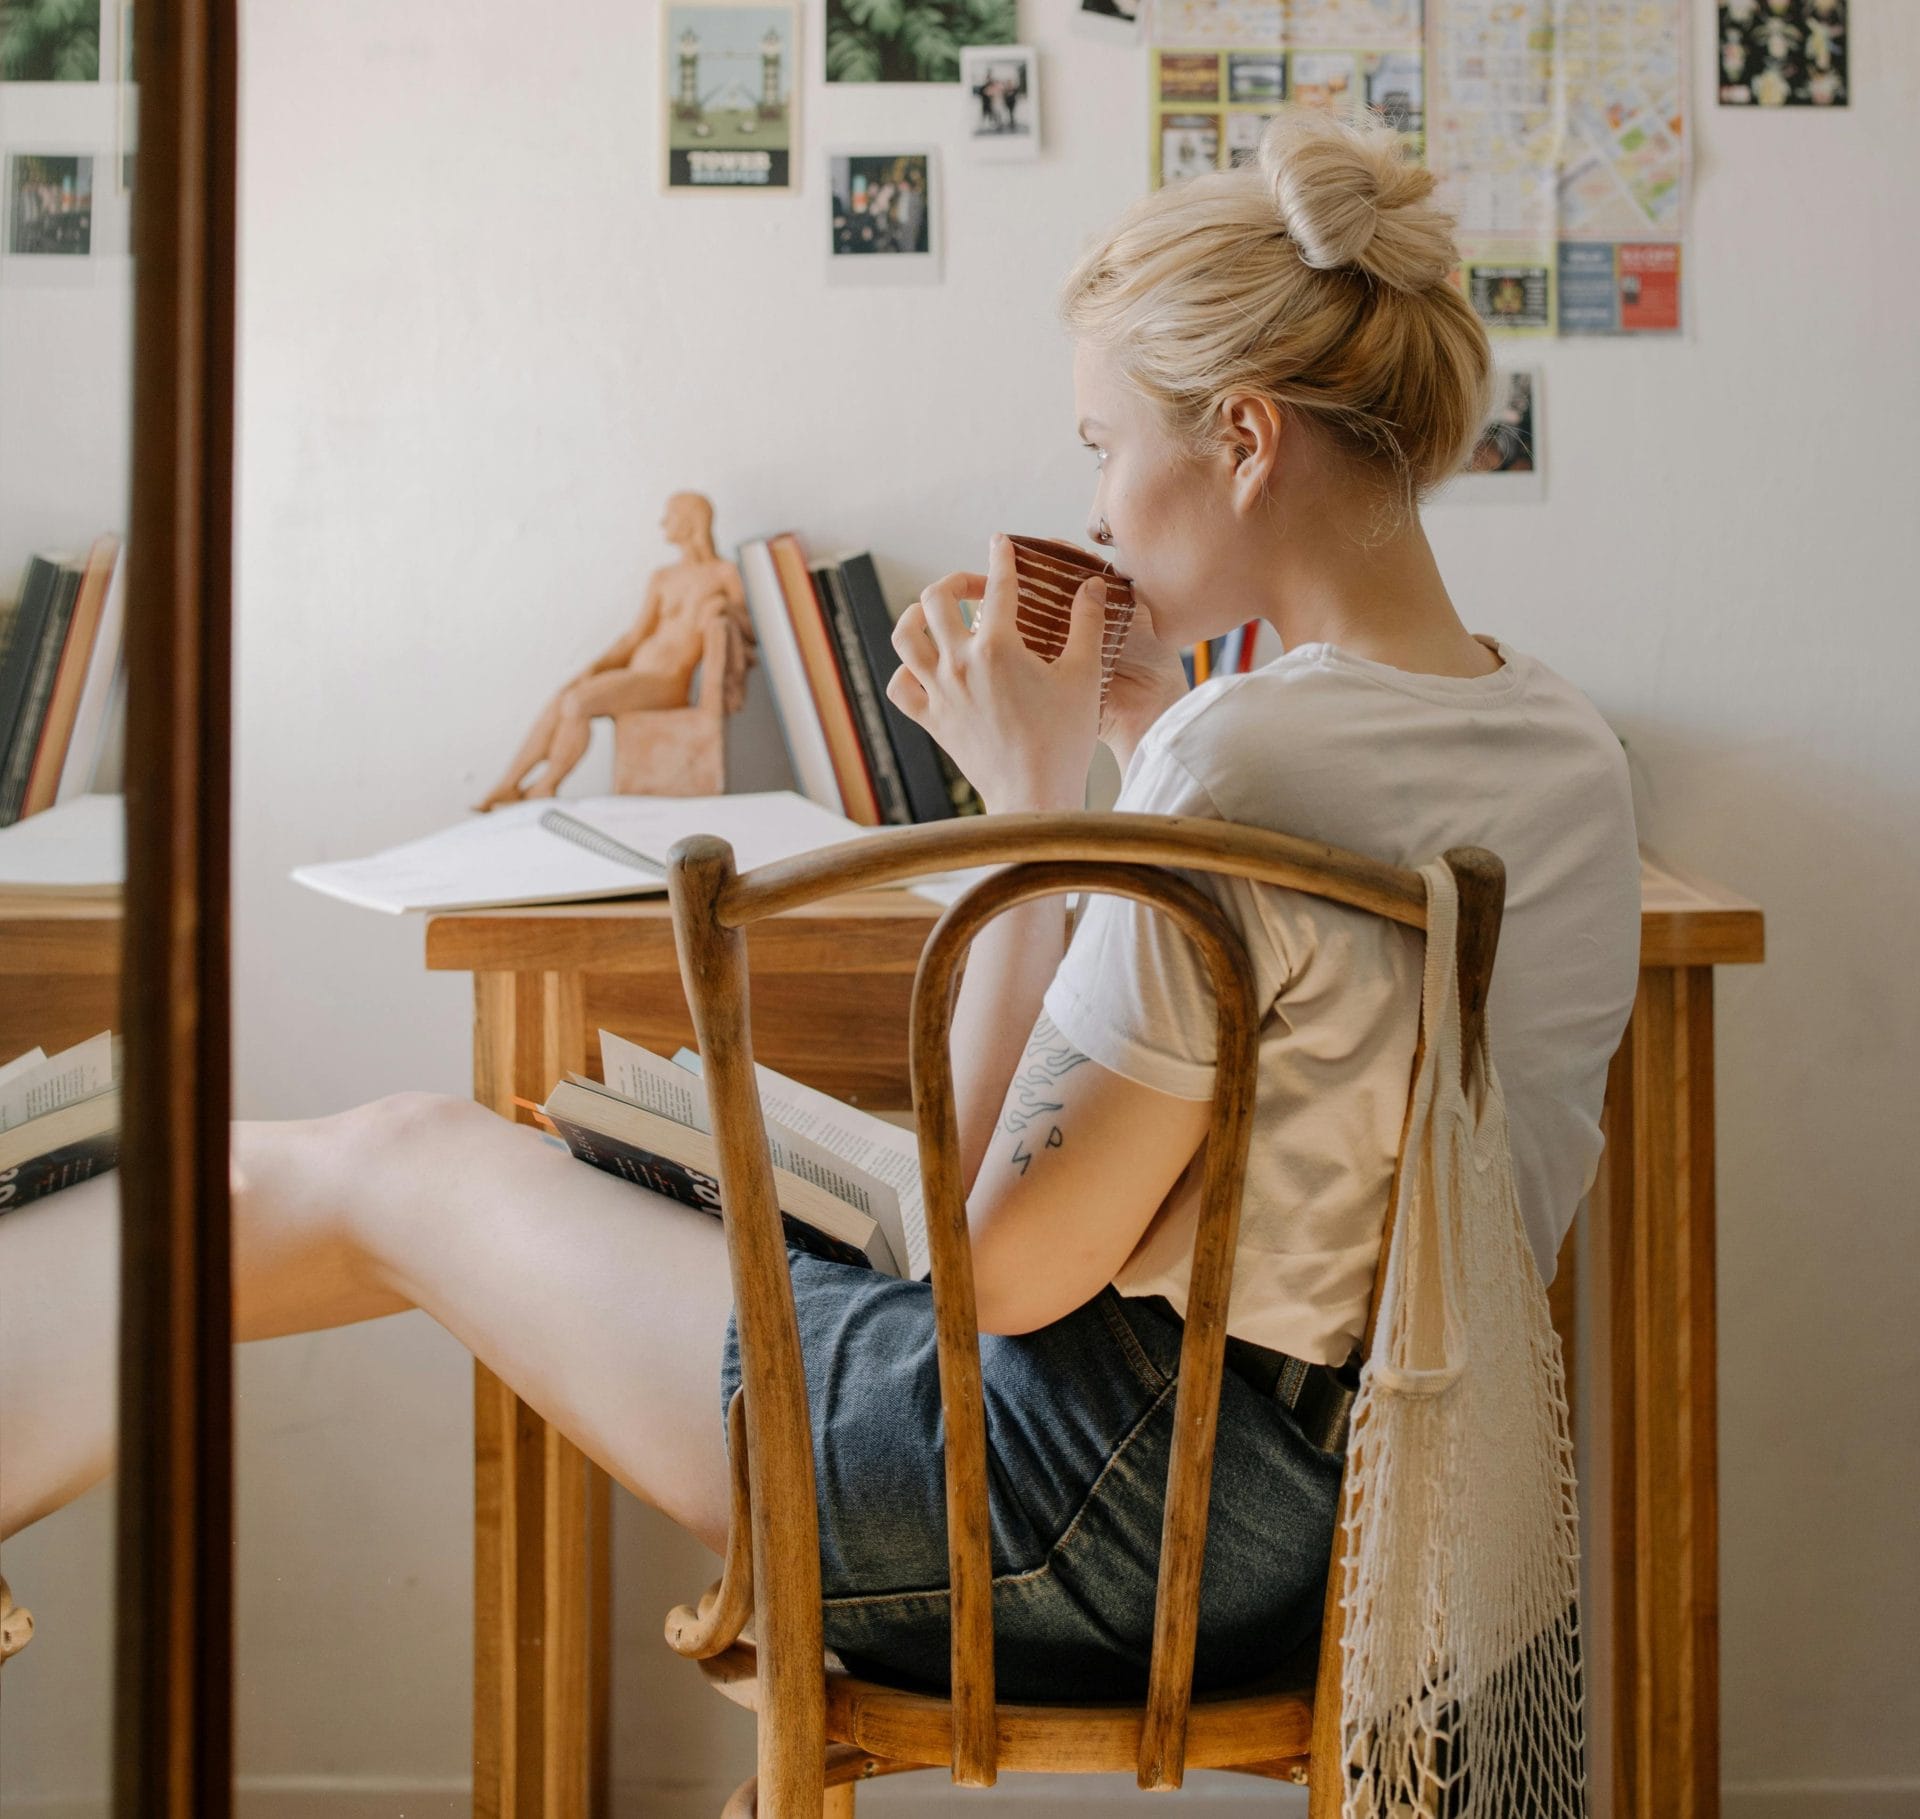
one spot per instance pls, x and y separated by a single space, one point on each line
826 639
62 679
826 642
59 1118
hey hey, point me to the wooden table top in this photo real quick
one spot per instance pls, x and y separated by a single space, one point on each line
1685 920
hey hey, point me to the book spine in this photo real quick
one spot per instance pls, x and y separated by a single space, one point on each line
90 717
33 709
63 703
64 1167
829 694
787 678
913 748
831 587
36 596
690 1186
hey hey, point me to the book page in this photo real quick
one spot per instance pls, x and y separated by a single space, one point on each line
652 1081
885 1151
73 1074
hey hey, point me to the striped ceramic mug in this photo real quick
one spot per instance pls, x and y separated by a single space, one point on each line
1049 574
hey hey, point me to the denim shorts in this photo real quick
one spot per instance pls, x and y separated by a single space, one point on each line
1079 1418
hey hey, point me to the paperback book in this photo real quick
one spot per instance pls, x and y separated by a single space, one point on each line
848 1183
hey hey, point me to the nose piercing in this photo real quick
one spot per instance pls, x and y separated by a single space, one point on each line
1101 534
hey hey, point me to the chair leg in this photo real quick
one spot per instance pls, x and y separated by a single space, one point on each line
847 1766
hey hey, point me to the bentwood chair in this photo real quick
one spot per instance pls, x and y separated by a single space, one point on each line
821 1730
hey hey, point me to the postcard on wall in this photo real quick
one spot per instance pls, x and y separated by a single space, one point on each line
1784 53
729 96
50 41
1209 105
49 204
1000 100
884 224
1507 466
911 40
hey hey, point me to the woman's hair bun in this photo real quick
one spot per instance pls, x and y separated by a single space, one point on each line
1350 200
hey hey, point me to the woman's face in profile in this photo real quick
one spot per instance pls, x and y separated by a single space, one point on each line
1172 531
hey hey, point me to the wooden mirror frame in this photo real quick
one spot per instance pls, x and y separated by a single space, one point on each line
173 1644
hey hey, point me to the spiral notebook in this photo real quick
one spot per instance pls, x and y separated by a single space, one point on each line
576 851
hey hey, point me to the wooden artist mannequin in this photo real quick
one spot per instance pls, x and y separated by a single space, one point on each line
652 666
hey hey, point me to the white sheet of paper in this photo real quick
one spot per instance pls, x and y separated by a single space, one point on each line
77 849
506 857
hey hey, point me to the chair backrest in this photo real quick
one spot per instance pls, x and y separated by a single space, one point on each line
1041 855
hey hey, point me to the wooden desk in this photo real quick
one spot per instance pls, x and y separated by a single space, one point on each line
59 970
831 987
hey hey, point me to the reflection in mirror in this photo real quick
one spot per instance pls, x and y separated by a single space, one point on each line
67 120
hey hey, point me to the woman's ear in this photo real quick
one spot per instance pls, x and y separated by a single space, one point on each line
1250 429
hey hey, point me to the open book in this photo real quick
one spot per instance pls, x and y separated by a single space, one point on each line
59 1118
848 1183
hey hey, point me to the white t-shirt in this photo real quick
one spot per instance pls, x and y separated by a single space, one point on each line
1398 766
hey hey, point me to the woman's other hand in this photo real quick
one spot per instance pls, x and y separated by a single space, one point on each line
1148 678
1022 730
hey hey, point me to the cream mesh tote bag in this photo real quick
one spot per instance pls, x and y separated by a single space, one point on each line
1459 1531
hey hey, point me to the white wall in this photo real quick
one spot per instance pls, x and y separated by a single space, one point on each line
479 350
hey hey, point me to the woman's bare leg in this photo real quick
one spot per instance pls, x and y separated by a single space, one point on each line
603 1305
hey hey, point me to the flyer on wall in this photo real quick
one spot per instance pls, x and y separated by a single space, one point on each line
728 96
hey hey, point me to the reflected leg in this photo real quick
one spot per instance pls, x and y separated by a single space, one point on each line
601 1304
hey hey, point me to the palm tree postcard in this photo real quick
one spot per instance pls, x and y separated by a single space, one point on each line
911 40
50 40
729 99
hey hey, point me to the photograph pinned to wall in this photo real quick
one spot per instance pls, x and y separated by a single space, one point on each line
1209 108
1784 53
50 40
49 205
1117 21
884 225
911 40
1001 100
729 97
1507 465
126 102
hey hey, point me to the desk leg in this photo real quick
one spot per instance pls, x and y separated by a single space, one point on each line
1656 1587
542 1649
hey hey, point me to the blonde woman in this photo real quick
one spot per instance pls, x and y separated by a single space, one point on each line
1272 371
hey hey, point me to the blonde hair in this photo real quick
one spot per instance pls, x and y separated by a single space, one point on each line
1318 277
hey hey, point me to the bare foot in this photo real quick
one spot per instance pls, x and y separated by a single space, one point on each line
497 797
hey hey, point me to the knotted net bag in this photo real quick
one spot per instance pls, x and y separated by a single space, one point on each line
1459 1529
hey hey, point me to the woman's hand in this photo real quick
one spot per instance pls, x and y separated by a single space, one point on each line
1021 729
1148 678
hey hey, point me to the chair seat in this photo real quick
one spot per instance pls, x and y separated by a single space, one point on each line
1262 1724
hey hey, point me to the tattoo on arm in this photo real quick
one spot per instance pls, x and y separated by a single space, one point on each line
1022 1155
1035 1095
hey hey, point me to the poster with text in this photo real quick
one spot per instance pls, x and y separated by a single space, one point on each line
729 97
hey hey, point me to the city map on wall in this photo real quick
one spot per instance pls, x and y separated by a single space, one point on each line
1557 128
